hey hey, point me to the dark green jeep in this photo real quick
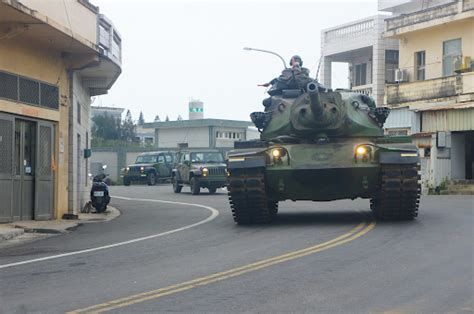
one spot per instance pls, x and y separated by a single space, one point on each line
150 168
199 169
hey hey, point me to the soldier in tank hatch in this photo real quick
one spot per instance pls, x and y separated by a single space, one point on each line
295 77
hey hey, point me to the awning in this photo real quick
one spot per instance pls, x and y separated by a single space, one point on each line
443 106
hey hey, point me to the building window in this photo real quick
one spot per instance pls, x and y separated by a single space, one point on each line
116 44
451 56
391 65
104 35
361 74
420 58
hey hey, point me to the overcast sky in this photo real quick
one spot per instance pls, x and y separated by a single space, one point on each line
177 50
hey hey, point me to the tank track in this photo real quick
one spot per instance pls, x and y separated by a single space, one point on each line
399 193
248 198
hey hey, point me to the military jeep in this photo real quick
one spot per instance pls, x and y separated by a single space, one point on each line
150 167
199 169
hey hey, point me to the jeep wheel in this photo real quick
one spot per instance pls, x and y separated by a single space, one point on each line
176 186
212 190
194 184
126 181
151 178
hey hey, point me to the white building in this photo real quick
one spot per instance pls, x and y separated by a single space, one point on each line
371 59
201 133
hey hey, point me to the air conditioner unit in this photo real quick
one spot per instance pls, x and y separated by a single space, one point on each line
464 66
401 75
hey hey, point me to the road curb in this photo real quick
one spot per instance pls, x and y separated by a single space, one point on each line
16 229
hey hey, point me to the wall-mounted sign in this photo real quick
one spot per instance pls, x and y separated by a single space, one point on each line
441 139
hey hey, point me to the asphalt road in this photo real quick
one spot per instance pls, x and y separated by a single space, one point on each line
317 257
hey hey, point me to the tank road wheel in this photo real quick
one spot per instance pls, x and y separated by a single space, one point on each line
273 208
151 178
194 185
248 197
399 194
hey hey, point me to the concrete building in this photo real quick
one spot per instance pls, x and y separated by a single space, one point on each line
109 111
51 63
201 133
434 97
145 136
372 59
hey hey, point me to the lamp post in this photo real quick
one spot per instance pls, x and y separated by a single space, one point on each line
267 51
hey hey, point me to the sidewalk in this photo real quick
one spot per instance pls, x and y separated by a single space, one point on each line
32 229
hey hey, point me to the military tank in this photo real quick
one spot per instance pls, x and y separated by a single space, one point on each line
318 144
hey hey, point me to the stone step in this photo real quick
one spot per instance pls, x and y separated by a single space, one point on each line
461 187
461 182
446 192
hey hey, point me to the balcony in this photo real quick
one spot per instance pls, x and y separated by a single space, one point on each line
456 88
100 78
351 36
429 17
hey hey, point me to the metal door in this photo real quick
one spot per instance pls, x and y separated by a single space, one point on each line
6 168
44 202
24 169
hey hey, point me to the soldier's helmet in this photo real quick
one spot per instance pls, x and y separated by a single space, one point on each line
295 59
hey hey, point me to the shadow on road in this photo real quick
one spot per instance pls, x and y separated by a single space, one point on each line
320 218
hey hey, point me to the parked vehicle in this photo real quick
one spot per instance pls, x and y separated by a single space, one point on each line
100 196
199 169
150 167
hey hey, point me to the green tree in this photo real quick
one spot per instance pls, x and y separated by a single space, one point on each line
167 118
157 118
106 127
128 128
141 120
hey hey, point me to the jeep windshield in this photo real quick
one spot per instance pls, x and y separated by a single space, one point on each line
146 159
207 158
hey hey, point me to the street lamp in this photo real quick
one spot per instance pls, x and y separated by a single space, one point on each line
267 51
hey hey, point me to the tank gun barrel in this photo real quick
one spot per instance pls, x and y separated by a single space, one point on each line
316 105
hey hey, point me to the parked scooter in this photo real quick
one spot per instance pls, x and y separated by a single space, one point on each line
100 197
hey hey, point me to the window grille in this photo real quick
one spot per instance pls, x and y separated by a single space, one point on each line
45 151
49 96
6 146
8 86
33 92
29 91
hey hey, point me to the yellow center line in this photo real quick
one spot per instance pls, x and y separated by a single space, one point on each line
353 234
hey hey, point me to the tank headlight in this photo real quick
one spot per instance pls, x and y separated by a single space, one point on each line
205 172
276 153
363 153
361 150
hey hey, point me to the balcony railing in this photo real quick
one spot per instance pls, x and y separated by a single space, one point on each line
423 15
350 31
363 89
468 5
450 87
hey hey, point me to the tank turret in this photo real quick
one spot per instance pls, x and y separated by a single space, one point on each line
316 111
